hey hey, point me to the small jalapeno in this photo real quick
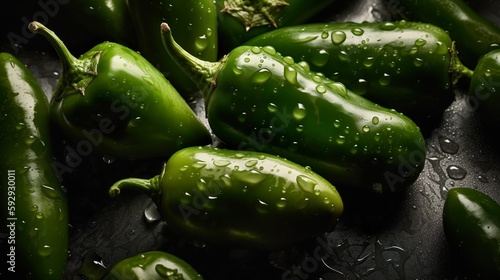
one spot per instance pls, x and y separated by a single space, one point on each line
240 198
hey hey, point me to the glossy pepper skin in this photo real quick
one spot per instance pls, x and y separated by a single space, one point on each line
34 205
117 103
474 34
241 20
240 198
484 89
196 20
152 265
471 221
259 100
408 66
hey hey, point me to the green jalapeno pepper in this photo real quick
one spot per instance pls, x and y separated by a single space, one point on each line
259 100
240 198
484 90
240 20
471 221
114 102
152 265
474 34
197 20
34 205
408 66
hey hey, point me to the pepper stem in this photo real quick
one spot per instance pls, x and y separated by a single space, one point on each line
149 186
202 73
458 69
77 73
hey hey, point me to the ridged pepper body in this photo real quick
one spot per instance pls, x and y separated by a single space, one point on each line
34 205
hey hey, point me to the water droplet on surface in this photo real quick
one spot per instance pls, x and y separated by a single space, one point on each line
418 61
221 162
291 75
269 50
321 89
201 43
199 164
368 61
251 163
338 88
108 159
338 37
299 112
420 42
388 26
151 213
448 146
385 79
456 172
261 76
45 250
271 107
249 177
375 120
357 31
306 183
256 50
282 203
324 34
289 60
320 58
237 70
135 122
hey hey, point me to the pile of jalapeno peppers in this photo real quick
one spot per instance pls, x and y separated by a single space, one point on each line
301 114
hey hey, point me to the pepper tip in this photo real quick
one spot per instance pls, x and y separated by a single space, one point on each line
164 27
33 26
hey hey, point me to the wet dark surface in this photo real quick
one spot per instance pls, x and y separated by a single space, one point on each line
395 238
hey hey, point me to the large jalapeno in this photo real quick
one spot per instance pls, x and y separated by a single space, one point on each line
240 198
34 205
197 20
484 91
474 34
241 20
256 99
113 102
471 221
408 66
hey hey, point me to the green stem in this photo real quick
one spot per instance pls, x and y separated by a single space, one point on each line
149 186
77 73
202 73
458 69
